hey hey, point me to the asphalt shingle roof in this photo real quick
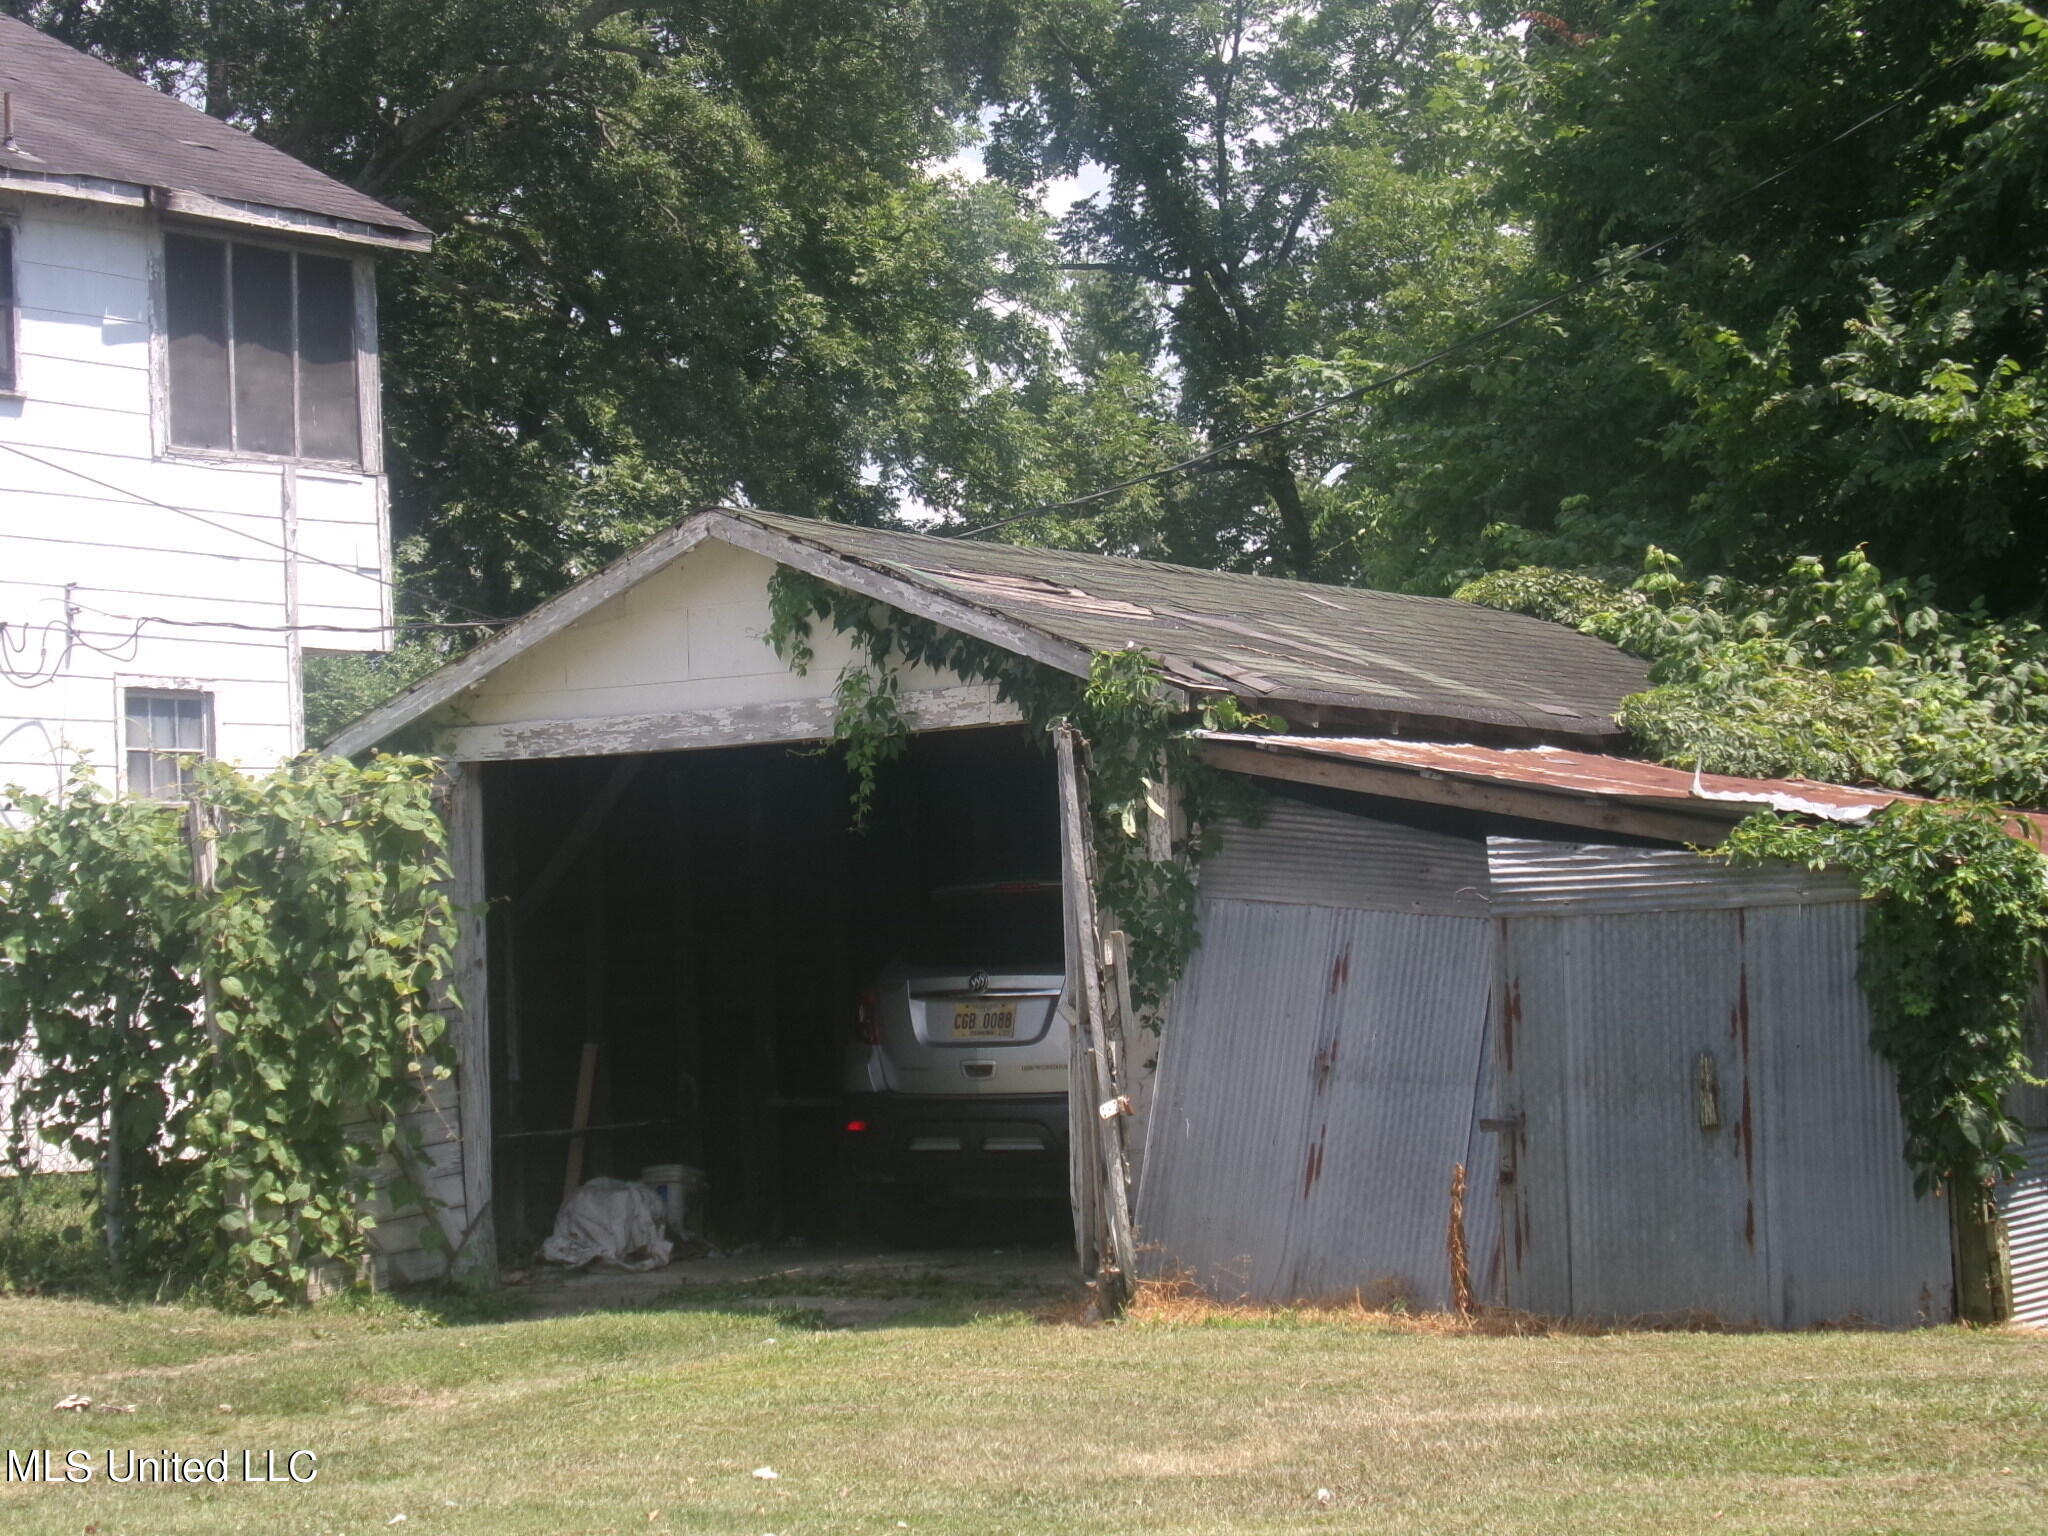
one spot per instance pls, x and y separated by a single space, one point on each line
75 116
1263 637
1422 664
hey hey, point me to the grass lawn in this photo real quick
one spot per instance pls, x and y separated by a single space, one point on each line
971 1416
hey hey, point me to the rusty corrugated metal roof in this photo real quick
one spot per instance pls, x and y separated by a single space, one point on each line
1265 638
1592 774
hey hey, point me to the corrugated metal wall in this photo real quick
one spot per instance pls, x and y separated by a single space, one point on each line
1524 875
1797 1207
2024 1200
2024 1203
1365 994
1321 1071
1305 855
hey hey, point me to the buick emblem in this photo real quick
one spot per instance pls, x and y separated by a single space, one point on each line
978 982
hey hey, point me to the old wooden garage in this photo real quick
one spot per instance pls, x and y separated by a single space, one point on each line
667 913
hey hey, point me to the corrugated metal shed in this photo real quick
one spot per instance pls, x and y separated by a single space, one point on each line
1787 1201
1322 1070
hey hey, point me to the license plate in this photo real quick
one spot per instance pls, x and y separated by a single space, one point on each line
984 1021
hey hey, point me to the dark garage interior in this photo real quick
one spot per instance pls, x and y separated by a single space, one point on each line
706 921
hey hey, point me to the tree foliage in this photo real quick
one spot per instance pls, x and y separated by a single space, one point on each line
1845 346
1278 177
237 1142
1831 673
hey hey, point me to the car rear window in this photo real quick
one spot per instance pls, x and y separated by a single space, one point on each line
990 928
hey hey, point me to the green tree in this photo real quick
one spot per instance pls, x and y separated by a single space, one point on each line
1845 345
1242 142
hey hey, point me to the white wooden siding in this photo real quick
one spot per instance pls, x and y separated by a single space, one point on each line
685 645
101 526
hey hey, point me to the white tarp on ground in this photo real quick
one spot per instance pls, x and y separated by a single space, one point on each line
609 1221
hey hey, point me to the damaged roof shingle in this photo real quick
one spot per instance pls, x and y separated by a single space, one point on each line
1264 637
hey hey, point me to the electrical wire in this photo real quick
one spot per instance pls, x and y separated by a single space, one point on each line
293 629
1478 338
42 674
150 501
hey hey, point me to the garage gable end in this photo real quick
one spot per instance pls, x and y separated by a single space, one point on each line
669 649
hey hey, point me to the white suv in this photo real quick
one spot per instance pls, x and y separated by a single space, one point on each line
956 1080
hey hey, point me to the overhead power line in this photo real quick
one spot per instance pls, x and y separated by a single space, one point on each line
359 572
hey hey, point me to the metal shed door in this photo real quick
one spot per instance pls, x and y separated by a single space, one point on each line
1769 1184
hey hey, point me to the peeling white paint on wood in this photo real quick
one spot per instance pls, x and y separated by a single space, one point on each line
796 720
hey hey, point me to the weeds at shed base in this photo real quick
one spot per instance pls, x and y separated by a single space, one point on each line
1387 1306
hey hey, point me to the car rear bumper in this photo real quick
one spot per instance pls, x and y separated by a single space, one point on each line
1015 1144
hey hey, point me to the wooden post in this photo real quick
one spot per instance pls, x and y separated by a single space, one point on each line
1103 1130
1983 1279
586 1078
199 837
475 1253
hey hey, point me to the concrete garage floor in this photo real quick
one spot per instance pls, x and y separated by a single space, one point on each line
851 1286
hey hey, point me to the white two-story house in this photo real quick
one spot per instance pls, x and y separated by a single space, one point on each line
192 493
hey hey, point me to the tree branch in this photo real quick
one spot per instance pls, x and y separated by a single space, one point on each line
1164 279
423 127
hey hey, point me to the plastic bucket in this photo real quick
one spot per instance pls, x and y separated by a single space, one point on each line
666 1180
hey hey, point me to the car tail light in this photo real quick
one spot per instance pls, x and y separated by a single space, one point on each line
855 1127
867 1018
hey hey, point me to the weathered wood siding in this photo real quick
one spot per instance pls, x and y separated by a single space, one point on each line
104 525
679 660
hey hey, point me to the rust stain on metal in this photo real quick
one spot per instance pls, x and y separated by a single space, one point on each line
1511 1021
1326 1064
1745 1125
1340 972
1314 1170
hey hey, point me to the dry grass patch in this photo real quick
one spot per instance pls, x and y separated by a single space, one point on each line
1179 1301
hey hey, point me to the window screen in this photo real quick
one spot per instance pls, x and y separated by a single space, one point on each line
195 284
166 739
327 359
262 316
262 350
6 306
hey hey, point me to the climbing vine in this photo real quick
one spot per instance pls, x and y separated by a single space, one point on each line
1957 928
1135 728
1835 672
236 1141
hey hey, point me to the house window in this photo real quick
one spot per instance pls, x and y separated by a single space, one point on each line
7 371
166 739
262 350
